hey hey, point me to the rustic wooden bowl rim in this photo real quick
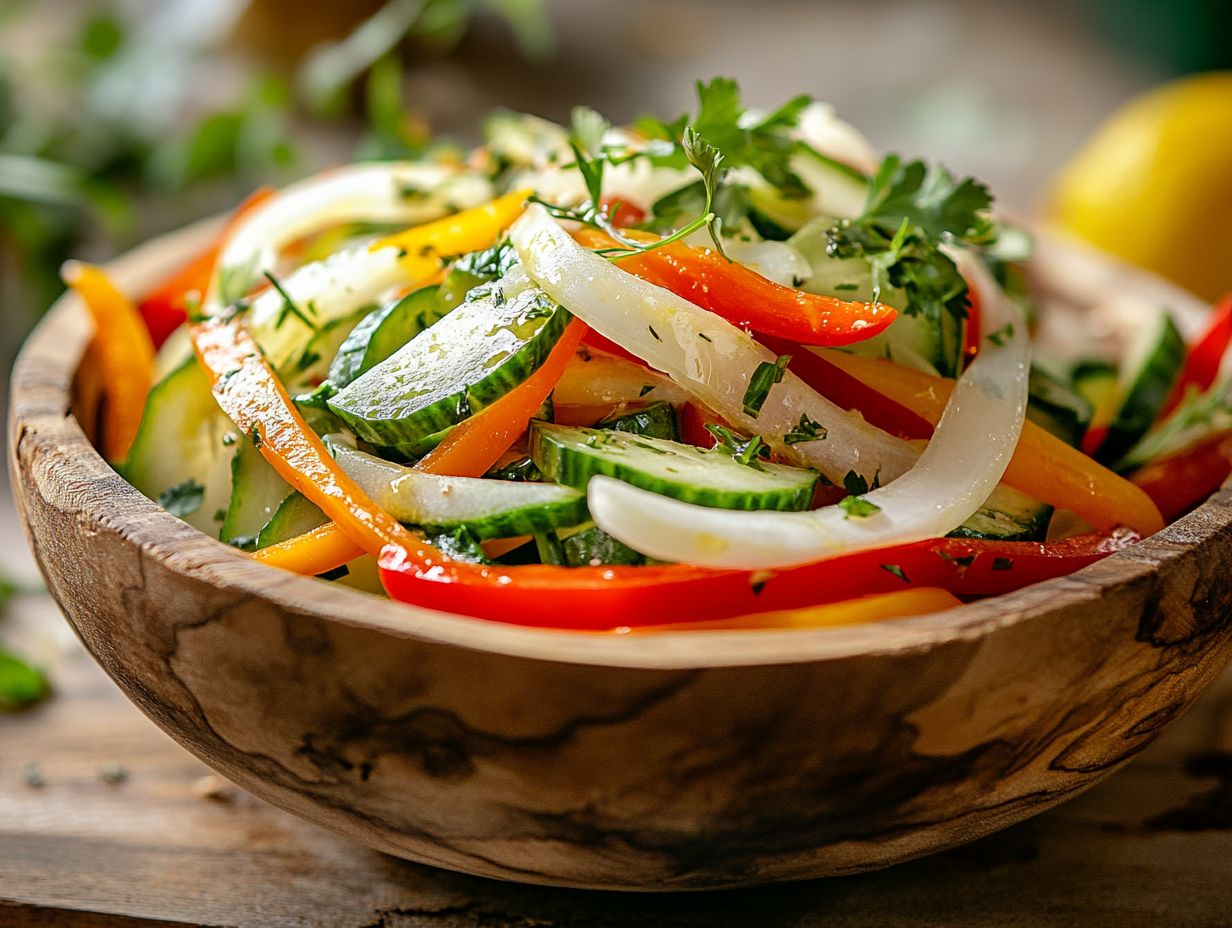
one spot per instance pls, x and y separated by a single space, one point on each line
40 398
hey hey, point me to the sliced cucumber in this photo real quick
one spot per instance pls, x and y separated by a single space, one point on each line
384 331
1096 382
656 420
1055 406
486 508
181 442
593 547
1150 371
293 517
571 456
473 356
256 493
1008 515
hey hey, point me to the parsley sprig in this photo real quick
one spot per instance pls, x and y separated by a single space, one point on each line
592 156
913 210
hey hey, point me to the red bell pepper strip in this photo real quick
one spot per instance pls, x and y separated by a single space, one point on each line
163 308
1181 481
850 392
1204 357
622 213
598 598
745 298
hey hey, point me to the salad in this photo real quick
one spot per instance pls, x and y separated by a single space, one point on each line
727 371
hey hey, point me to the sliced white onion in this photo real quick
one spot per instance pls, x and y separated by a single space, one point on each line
325 291
705 354
387 192
961 466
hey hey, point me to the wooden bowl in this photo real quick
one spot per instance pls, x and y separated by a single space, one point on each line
684 761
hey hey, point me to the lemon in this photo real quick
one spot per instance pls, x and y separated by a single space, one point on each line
1154 185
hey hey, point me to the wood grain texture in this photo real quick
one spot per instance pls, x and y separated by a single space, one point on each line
1149 847
674 762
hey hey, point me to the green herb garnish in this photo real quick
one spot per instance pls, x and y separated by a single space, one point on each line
767 374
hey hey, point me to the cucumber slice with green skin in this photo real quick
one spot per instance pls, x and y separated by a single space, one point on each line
256 494
571 456
473 356
1053 405
184 440
1008 515
295 515
486 508
1096 382
383 332
1152 366
656 420
593 547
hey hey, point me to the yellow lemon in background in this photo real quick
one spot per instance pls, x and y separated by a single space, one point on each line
1154 185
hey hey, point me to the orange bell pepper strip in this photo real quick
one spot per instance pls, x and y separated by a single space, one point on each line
877 607
313 553
249 392
163 308
469 450
124 353
1043 466
745 298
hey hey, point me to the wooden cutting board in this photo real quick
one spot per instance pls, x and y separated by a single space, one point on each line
116 826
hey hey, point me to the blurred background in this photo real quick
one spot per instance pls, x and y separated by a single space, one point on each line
125 118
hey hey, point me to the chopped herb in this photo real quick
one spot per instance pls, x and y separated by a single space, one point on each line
806 430
229 440
113 773
255 435
746 451
183 499
768 373
21 684
704 337
911 211
758 581
1002 334
653 333
855 484
896 571
844 288
32 774
220 516
858 506
1002 563
961 562
288 305
646 388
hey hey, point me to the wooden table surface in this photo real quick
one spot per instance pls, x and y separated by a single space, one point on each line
106 823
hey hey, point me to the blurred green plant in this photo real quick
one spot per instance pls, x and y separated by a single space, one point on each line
21 683
118 132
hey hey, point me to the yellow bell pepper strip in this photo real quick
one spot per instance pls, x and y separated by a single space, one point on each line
470 450
423 246
878 607
1043 466
745 298
475 444
249 392
124 352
